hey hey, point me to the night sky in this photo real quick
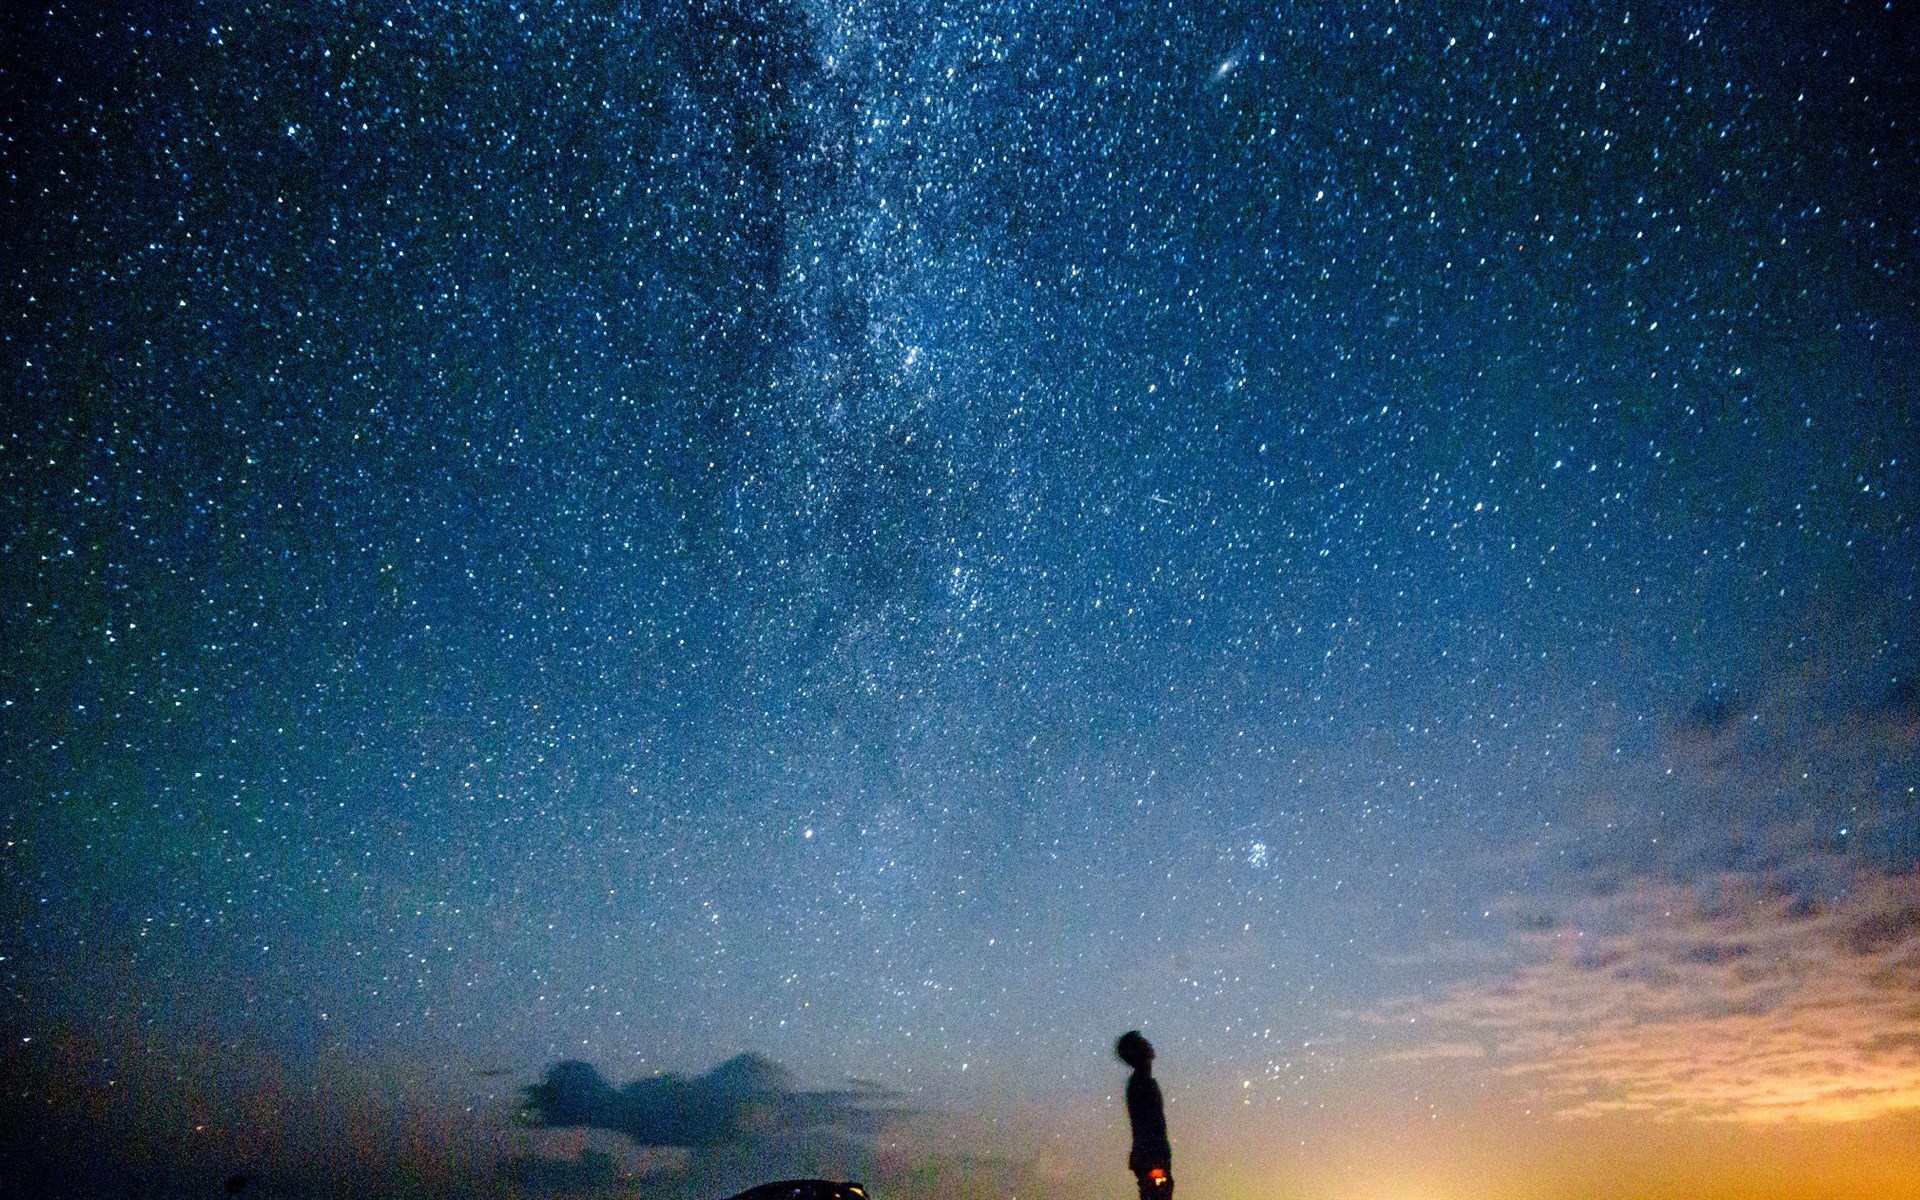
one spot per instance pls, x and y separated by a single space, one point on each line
1373 542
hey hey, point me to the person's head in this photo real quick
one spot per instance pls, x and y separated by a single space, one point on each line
1134 1050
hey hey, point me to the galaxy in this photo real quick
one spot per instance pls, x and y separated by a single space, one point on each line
636 599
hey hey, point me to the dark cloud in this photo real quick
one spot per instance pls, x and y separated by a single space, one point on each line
1882 931
1901 701
1713 953
739 1125
745 1098
1713 713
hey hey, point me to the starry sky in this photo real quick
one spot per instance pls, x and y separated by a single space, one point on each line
1374 542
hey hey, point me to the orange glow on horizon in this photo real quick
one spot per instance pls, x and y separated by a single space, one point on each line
1742 1006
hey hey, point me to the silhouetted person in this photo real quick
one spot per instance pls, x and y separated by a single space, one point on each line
1151 1159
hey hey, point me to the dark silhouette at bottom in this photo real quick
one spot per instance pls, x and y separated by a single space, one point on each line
1151 1159
804 1189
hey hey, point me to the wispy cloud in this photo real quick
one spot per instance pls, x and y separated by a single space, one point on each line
1740 1000
1436 1052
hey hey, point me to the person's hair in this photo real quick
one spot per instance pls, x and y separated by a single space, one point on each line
1133 1049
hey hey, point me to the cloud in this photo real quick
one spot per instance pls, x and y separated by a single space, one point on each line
746 1097
1739 1000
744 1123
